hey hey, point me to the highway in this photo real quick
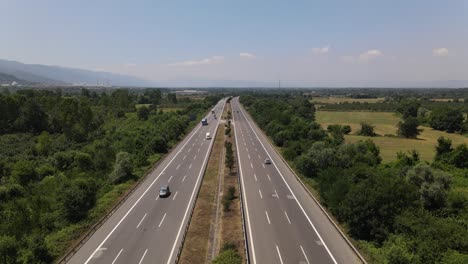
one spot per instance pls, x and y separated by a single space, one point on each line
283 223
149 229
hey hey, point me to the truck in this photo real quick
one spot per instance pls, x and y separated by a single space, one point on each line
204 122
208 135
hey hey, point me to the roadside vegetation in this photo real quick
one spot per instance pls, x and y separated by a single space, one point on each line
67 158
404 211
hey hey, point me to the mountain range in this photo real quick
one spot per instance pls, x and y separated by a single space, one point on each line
57 75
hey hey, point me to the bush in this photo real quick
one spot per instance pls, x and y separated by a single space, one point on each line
366 130
229 256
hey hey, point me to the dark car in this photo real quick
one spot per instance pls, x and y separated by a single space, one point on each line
267 161
164 191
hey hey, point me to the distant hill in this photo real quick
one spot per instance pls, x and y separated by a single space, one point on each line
56 75
8 79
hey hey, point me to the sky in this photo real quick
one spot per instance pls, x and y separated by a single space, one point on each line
299 42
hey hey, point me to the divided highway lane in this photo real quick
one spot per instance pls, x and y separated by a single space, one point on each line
284 225
149 229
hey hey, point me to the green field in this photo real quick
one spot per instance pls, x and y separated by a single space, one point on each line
385 123
335 100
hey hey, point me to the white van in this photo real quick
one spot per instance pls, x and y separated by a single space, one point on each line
208 135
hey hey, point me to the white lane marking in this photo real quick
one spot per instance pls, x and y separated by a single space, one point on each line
259 157
189 149
190 166
178 166
254 260
184 157
256 149
137 201
141 220
279 254
268 175
260 192
183 179
287 217
195 157
157 198
116 257
170 178
247 149
251 165
255 175
295 198
142 257
193 144
162 220
199 149
263 165
193 194
277 196
268 218
248 155
175 195
303 252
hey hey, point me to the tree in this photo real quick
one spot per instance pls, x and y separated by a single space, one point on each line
123 168
78 198
346 129
8 249
32 118
366 130
43 144
143 113
446 119
409 108
409 127
444 146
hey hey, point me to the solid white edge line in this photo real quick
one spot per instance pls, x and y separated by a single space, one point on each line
162 220
116 257
143 218
137 201
142 257
279 254
194 189
303 252
268 218
287 217
295 198
254 260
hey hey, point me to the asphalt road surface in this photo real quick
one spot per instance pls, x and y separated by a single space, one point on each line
149 229
284 224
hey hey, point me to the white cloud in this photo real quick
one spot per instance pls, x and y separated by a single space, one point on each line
370 54
322 50
246 55
207 61
440 52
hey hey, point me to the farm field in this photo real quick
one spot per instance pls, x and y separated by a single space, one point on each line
385 123
335 100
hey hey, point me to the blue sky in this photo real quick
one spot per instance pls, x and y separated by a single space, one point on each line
301 42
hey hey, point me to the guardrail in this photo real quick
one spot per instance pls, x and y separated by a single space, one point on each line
246 247
101 221
179 250
361 258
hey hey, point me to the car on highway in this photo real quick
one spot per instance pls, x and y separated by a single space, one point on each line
164 191
208 135
267 161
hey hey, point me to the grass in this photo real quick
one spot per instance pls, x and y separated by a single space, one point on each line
195 248
335 100
231 221
385 123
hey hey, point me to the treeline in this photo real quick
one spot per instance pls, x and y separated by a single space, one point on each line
407 211
66 159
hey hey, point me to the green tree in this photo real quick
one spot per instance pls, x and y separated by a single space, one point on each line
229 256
123 168
366 130
8 249
409 127
444 146
43 145
446 119
143 113
78 198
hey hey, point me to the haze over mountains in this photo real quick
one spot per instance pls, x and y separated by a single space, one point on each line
56 75
27 74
